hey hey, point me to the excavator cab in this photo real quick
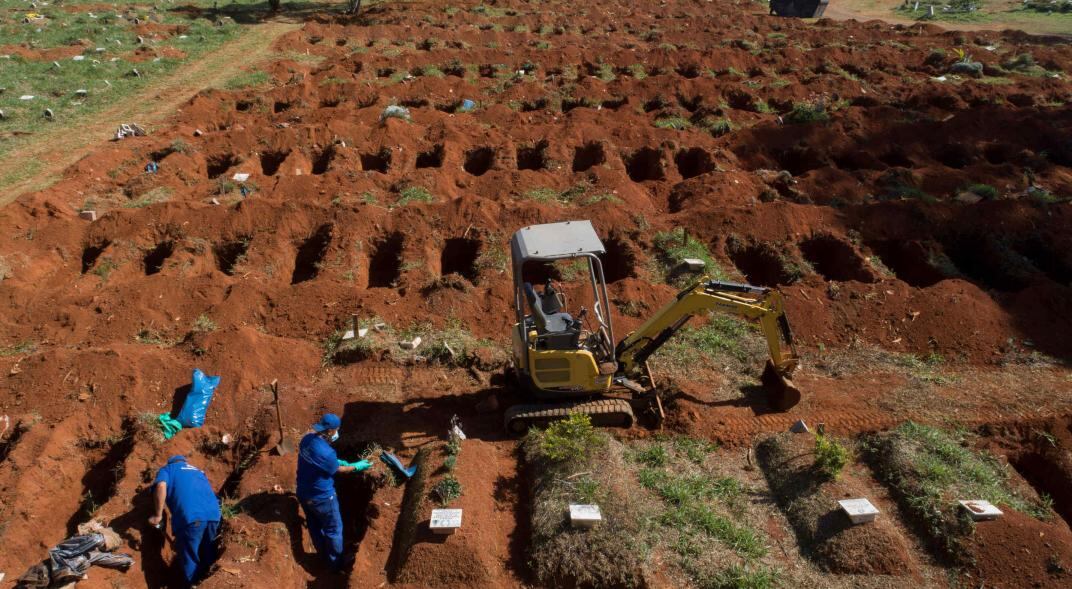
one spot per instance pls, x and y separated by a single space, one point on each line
566 358
560 353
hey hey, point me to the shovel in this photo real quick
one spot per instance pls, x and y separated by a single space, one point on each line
284 446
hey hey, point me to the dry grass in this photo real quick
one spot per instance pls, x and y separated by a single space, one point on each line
611 554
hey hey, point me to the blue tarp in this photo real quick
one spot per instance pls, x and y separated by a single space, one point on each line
196 406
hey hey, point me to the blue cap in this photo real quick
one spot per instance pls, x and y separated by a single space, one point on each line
328 421
176 458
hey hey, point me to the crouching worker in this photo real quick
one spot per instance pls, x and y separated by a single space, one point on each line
317 466
195 515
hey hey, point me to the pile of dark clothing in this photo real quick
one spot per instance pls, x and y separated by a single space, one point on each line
68 561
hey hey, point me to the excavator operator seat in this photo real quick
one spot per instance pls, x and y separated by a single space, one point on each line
556 331
549 299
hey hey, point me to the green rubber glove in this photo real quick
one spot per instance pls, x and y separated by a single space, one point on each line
342 462
361 465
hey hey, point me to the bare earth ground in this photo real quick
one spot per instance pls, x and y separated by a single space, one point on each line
910 300
37 162
1000 16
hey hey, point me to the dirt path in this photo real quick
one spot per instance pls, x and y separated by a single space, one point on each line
39 162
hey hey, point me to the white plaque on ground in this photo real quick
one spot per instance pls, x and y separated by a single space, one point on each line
859 510
584 516
981 510
694 264
445 521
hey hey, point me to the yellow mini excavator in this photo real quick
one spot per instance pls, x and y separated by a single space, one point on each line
572 364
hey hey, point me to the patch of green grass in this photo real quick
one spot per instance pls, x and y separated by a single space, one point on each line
807 112
156 195
696 515
152 337
676 123
204 323
638 71
55 87
738 576
653 455
543 195
23 347
671 247
104 268
722 335
597 198
695 449
606 72
924 368
230 508
680 490
412 194
245 80
717 127
450 345
986 191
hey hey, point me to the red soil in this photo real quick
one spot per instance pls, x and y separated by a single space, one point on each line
108 308
1020 551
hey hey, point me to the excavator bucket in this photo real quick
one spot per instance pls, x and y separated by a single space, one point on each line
781 392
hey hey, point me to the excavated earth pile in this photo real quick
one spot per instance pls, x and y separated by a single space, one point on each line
896 204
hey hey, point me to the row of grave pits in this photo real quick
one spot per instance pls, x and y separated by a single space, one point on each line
641 165
995 263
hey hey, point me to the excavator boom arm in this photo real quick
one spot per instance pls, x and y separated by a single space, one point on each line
751 302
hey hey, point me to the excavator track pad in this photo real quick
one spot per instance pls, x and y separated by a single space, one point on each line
603 412
782 394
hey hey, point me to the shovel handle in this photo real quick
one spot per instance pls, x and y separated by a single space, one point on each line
278 412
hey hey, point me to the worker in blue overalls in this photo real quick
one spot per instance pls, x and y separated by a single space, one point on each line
317 466
195 515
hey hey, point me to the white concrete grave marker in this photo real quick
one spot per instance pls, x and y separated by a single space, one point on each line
584 516
445 521
693 264
980 509
412 344
859 510
240 177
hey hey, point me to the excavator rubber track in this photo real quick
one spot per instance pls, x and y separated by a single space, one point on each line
603 412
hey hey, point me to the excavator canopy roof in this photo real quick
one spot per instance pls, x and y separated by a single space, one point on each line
555 241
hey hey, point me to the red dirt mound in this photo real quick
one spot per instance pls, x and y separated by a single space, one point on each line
1019 551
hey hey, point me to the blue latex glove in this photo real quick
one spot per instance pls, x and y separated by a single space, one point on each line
361 465
343 462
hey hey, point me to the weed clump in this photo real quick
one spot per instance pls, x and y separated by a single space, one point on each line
447 490
570 439
985 191
413 194
808 112
831 456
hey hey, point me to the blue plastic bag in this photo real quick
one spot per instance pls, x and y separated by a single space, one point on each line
196 405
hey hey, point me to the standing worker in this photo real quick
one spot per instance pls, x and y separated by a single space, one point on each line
317 466
195 515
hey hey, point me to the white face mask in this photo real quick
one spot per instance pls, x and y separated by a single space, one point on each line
335 436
